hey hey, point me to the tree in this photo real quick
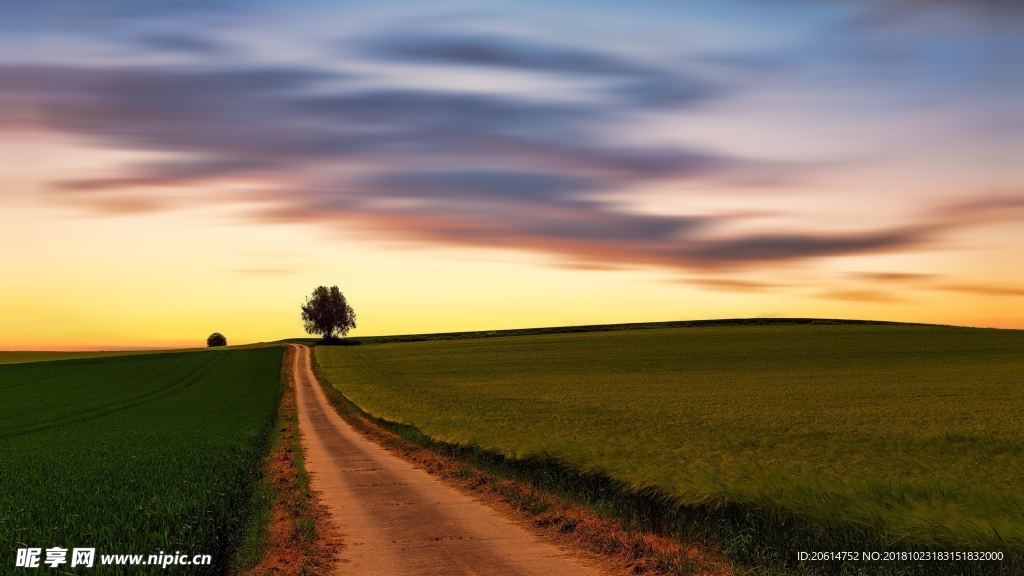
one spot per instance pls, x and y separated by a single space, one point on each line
216 339
326 312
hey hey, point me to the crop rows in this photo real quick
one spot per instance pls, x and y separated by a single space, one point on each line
135 454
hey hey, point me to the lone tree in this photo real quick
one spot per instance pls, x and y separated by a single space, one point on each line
216 339
326 312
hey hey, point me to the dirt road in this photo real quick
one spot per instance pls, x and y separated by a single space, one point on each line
396 519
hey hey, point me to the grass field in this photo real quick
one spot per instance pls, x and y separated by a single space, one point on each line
19 356
904 437
134 454
15 357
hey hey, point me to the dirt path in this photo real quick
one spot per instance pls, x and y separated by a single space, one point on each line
397 519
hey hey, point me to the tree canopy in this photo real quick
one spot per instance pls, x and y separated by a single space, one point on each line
326 312
216 339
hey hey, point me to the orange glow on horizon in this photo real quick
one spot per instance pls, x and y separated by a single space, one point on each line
611 166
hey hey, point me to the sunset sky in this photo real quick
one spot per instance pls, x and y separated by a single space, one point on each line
171 169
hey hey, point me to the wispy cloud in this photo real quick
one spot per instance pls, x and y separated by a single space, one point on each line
448 167
989 12
860 296
733 284
894 277
177 42
442 164
782 247
637 83
985 290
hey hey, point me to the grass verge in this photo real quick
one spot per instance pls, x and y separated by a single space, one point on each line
288 532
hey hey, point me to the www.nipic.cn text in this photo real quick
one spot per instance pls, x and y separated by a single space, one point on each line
86 558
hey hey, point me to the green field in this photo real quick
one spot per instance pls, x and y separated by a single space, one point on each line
14 357
19 356
911 435
134 454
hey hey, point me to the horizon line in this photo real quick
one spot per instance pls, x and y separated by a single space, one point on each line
198 344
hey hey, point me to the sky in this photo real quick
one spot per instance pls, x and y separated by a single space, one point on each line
170 169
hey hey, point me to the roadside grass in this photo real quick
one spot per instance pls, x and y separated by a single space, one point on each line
135 454
288 533
761 440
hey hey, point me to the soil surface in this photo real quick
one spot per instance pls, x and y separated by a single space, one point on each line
394 518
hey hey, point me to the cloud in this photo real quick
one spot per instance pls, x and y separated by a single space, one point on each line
859 296
121 205
929 282
733 284
984 289
239 122
894 277
1002 206
781 247
166 174
476 184
175 42
112 15
637 83
486 51
873 14
582 231
439 165
992 12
